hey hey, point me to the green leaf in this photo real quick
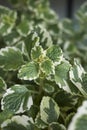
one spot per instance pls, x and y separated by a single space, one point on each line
29 71
10 58
12 38
48 87
3 86
18 123
7 20
31 41
69 118
44 36
32 112
38 4
56 126
36 52
22 47
62 75
17 99
51 77
73 88
79 121
84 82
40 123
67 101
67 27
32 88
4 115
55 54
76 76
23 28
18 4
49 110
4 10
81 14
47 66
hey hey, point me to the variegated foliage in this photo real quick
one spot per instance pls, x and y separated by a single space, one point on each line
41 87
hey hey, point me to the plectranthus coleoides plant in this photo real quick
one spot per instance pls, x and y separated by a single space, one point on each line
41 88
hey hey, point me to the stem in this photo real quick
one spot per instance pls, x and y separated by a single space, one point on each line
40 93
41 86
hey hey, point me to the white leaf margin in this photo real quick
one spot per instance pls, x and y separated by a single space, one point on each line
2 24
80 112
25 77
5 85
20 120
20 110
7 50
35 49
80 72
53 67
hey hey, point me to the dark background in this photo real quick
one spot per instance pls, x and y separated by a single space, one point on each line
64 8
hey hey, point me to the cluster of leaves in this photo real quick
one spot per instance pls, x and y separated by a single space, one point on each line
40 87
